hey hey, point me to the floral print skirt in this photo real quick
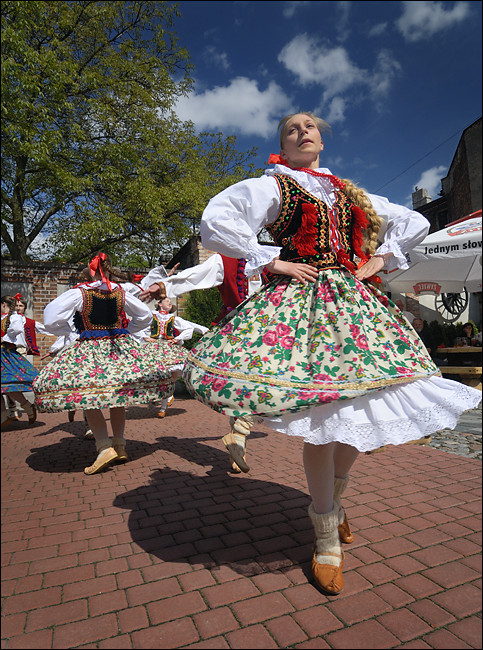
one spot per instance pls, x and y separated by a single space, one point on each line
101 373
169 353
18 373
291 347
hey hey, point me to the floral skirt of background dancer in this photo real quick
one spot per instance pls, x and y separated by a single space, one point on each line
101 373
18 373
299 355
171 355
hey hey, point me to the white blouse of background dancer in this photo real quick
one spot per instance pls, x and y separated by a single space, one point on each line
58 313
185 328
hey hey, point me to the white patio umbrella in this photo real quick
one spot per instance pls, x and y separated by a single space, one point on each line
447 261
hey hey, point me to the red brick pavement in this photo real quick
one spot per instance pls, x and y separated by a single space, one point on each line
172 550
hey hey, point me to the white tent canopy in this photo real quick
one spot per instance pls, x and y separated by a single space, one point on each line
447 261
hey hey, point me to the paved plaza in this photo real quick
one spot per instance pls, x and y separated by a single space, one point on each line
173 550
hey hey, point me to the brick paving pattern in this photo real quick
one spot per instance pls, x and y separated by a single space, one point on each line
172 550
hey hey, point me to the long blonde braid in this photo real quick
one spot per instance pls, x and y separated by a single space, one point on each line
360 198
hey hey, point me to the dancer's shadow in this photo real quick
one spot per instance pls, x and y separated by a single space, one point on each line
73 453
217 519
213 518
23 425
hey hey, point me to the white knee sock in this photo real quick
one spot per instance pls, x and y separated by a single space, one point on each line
328 548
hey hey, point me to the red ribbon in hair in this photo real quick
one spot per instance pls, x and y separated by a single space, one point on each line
95 265
18 296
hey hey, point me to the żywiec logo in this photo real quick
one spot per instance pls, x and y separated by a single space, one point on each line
427 287
463 228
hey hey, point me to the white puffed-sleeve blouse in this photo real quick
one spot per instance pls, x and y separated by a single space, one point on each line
234 217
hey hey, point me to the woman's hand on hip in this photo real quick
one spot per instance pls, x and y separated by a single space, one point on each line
302 272
373 266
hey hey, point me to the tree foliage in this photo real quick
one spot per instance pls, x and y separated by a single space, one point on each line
93 154
203 306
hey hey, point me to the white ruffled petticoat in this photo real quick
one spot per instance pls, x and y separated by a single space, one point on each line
392 416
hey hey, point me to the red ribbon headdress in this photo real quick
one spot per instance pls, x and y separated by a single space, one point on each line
18 296
95 265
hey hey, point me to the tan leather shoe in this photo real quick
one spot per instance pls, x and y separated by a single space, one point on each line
105 458
237 454
234 466
161 414
345 535
376 451
328 577
420 441
121 453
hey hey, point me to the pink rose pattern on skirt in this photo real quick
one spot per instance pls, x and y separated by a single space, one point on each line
101 373
168 352
293 346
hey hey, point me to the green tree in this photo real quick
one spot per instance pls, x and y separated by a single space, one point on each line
203 306
93 154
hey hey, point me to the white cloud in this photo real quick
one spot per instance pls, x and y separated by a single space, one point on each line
421 19
239 107
343 24
377 30
289 8
431 180
315 64
219 59
336 110
384 72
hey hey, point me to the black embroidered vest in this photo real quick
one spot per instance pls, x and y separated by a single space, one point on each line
307 230
102 314
163 329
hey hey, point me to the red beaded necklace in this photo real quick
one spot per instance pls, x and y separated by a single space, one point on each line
275 159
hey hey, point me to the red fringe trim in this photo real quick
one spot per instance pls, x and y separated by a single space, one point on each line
306 237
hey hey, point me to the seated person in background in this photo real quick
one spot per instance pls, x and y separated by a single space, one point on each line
429 341
468 334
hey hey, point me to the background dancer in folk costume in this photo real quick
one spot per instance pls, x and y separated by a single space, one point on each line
165 340
27 340
228 275
18 373
106 367
26 343
320 352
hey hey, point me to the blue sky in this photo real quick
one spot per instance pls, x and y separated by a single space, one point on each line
397 81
